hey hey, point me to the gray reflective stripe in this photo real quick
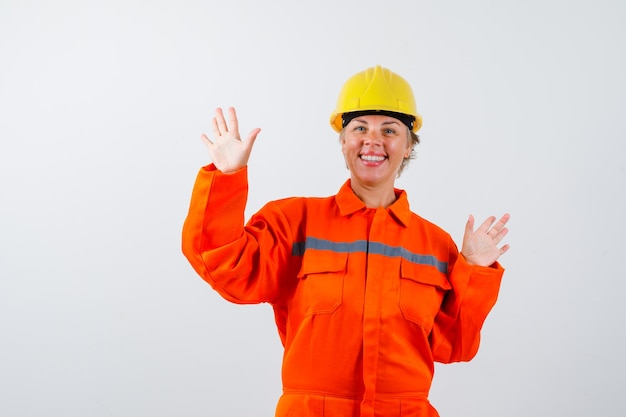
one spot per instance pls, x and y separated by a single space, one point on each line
360 246
320 244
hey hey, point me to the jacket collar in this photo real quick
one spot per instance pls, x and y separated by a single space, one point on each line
349 203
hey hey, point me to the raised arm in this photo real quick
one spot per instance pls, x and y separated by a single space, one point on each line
475 279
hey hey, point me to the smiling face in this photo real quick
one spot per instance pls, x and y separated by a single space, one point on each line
374 147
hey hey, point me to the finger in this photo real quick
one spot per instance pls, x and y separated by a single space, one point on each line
498 237
252 136
469 226
503 220
249 142
215 128
206 140
221 122
484 227
500 225
232 119
504 249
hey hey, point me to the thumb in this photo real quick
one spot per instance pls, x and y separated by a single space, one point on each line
252 137
469 226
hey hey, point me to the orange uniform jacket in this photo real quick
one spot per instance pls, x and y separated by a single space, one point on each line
365 300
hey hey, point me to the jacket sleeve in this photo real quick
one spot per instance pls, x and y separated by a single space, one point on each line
242 263
456 334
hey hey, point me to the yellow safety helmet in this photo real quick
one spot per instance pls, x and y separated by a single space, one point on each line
376 90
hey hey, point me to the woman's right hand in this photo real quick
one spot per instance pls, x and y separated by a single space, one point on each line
228 152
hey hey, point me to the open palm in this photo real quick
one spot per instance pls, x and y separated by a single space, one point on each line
228 152
480 246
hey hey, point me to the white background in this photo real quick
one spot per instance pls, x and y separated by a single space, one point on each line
101 109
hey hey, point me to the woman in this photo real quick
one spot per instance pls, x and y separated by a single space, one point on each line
366 294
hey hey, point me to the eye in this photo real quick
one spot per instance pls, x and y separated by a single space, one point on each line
359 129
390 131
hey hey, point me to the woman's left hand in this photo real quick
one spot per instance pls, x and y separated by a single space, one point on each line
480 247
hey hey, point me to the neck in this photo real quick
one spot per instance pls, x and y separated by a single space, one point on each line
374 196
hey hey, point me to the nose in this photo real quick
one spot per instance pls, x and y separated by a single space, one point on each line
373 139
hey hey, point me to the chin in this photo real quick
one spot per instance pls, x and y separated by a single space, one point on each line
370 180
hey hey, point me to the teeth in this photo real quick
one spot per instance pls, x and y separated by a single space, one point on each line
373 158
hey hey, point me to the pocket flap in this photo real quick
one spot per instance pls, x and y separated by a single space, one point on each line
317 262
424 274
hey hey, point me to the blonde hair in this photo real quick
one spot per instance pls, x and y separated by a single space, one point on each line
415 140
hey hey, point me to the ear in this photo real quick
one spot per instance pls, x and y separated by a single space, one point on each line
408 151
409 145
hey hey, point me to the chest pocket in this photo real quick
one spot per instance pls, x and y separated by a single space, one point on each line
421 291
320 286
